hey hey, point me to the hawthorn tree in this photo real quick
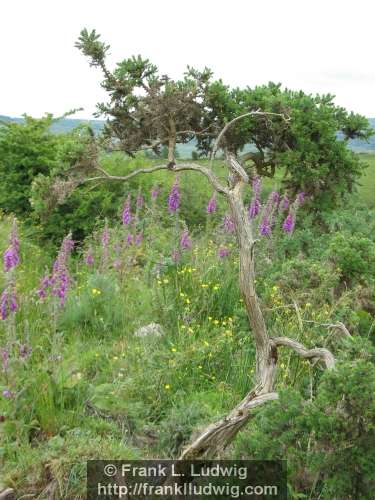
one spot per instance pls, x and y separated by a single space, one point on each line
148 111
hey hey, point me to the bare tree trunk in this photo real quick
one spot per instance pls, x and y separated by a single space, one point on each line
217 436
266 355
171 141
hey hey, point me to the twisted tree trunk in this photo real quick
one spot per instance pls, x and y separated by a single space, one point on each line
218 435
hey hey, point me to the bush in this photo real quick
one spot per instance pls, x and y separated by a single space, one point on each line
329 441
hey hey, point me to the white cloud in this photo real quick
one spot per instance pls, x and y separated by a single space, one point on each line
315 46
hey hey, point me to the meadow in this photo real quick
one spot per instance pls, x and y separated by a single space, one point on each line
79 380
367 183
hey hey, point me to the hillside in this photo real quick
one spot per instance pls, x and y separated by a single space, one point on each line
64 125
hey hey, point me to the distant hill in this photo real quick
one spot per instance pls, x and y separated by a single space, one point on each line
184 150
64 125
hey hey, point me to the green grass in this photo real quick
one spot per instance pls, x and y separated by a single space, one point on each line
367 187
91 389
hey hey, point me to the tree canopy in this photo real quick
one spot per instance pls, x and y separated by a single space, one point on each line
304 137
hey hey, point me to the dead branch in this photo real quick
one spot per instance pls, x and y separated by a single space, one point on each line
313 354
218 435
333 326
258 112
206 171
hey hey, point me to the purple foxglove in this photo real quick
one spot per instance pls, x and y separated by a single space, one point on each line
175 255
105 236
126 212
59 282
254 208
11 255
44 285
265 227
174 198
301 198
228 223
89 259
223 252
185 241
138 239
289 222
285 202
8 394
140 201
155 192
212 204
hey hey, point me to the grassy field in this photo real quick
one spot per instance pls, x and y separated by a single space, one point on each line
367 187
80 384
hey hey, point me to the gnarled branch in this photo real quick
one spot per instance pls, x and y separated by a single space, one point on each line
218 435
206 171
316 353
258 112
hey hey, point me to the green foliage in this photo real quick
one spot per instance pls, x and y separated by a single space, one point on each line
353 255
303 136
26 150
306 148
93 310
329 440
154 117
30 156
367 181
90 388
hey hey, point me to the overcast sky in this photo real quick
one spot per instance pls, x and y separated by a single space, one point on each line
314 45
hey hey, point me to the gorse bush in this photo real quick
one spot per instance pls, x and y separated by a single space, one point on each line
330 444
353 255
